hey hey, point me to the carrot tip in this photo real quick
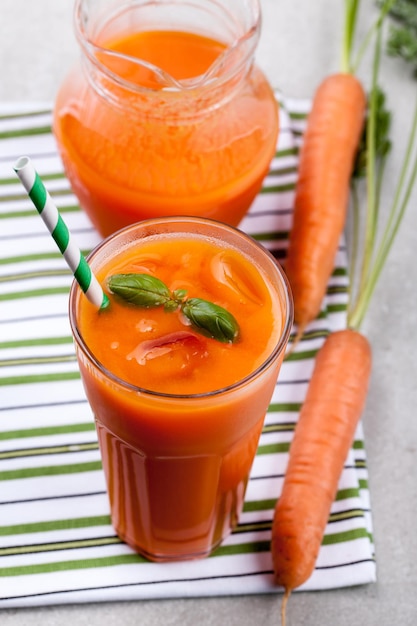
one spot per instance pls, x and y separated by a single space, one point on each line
284 606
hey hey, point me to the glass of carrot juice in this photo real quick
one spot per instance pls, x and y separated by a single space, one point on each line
179 370
166 113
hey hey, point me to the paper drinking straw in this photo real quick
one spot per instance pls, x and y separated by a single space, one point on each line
59 231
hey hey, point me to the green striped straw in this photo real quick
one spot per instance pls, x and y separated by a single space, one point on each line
59 231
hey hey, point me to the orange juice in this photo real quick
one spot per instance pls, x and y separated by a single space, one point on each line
138 141
179 413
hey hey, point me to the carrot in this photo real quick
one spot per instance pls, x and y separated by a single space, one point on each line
338 386
327 423
331 140
327 159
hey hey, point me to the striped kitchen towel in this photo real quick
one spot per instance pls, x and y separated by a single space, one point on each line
57 544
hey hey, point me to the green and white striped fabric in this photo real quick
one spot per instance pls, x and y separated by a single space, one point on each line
57 544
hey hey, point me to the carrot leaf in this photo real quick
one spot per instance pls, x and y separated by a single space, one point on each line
382 140
402 41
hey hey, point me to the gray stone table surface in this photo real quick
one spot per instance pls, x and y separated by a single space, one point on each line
300 44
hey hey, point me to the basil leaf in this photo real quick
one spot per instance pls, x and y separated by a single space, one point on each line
148 291
211 319
140 289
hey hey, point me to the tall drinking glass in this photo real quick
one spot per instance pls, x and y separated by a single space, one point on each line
179 412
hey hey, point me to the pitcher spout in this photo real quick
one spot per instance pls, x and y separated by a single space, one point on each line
141 70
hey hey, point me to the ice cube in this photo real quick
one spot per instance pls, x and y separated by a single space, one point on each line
171 354
227 270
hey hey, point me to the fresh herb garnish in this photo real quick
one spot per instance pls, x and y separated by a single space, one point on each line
148 291
211 319
140 289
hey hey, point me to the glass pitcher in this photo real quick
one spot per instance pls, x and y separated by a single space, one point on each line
166 114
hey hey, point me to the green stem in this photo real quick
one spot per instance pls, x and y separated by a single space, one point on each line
404 168
394 221
354 246
378 187
375 27
351 11
371 213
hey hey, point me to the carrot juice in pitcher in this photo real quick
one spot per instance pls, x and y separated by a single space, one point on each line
166 114
179 371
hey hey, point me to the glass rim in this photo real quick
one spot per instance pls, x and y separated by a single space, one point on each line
75 291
